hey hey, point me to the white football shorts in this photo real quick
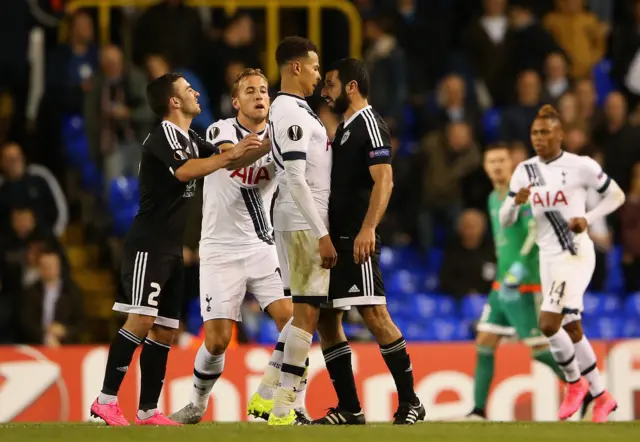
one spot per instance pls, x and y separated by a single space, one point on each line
565 279
226 278
302 271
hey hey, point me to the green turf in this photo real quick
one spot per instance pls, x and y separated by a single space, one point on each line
427 432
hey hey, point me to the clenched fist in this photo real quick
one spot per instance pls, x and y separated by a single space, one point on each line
523 194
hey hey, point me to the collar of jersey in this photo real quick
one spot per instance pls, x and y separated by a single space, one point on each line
247 130
354 116
186 135
291 95
554 159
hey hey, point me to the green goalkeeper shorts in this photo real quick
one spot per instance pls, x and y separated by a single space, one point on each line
513 313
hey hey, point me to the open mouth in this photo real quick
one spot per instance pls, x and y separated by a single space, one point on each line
260 106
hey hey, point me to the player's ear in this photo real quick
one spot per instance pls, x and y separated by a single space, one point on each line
174 102
296 67
235 103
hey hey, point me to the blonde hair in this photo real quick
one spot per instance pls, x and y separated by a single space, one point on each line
249 72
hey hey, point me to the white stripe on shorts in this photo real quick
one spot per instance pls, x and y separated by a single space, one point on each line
367 278
139 271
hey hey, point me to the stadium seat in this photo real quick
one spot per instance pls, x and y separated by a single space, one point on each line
632 306
122 220
123 193
416 331
91 178
449 329
604 327
75 140
472 306
355 331
601 304
432 306
402 282
491 122
601 74
631 328
268 332
194 319
614 282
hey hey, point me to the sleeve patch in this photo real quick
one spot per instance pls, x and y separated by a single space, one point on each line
601 174
216 132
380 153
294 133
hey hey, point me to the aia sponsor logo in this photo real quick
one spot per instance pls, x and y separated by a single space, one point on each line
549 199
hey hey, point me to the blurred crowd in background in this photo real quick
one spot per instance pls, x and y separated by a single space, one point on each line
449 76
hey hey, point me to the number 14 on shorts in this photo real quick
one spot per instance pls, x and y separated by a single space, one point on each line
556 292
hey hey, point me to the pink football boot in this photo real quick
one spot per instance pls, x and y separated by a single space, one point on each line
158 419
573 398
603 406
109 413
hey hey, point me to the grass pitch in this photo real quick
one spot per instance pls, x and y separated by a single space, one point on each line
245 432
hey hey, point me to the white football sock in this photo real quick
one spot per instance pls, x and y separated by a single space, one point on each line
207 368
143 415
105 399
301 395
564 354
588 367
296 352
271 378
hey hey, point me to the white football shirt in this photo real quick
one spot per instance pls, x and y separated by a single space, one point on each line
559 193
296 133
236 204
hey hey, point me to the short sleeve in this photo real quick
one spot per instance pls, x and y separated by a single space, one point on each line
378 140
168 148
518 180
205 149
219 133
593 175
292 135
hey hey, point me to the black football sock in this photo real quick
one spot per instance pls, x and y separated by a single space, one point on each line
338 362
121 351
397 359
153 367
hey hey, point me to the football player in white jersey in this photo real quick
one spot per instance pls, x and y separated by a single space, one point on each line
301 153
237 249
556 185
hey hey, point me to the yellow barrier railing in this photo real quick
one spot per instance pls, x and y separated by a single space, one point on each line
272 8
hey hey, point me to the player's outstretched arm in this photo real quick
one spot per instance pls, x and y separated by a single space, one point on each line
200 167
250 157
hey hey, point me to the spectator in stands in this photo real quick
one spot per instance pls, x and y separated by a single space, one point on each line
579 33
568 109
386 63
485 44
618 140
453 106
51 310
447 157
117 115
158 65
625 54
528 45
576 141
171 28
516 120
519 152
238 44
31 185
588 112
556 82
70 67
15 25
224 108
468 265
630 225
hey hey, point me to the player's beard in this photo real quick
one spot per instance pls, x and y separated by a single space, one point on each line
341 104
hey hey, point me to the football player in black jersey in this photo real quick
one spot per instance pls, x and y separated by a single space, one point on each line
173 157
361 184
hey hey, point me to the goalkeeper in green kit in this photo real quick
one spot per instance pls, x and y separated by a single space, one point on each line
513 304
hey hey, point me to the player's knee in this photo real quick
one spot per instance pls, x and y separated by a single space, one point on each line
485 339
330 327
216 344
379 322
139 325
574 330
305 316
549 326
280 311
